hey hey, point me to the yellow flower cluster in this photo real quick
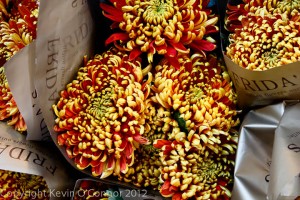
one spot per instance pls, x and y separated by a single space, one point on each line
266 35
21 186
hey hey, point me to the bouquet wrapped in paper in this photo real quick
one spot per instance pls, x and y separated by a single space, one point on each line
154 109
262 50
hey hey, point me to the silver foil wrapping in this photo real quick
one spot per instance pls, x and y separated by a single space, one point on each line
268 155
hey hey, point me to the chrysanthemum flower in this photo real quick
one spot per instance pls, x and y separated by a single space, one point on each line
20 186
19 30
161 26
146 170
265 41
235 13
192 174
200 97
8 107
102 114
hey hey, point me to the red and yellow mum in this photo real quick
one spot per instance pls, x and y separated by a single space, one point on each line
189 173
265 42
8 107
161 26
102 114
235 13
200 96
20 29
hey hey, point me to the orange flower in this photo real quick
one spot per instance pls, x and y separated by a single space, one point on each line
146 169
188 173
8 107
236 13
265 41
19 30
200 96
102 114
161 26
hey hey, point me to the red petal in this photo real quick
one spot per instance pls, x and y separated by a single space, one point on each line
123 165
99 169
134 54
177 196
60 139
174 62
81 162
160 143
123 144
128 151
111 163
111 12
140 139
211 29
203 45
118 3
164 190
180 47
117 36
171 52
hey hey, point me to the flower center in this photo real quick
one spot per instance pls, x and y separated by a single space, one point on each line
99 105
158 11
209 170
271 58
195 94
288 5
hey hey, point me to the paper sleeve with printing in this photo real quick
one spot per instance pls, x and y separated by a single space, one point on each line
19 71
261 88
64 36
20 155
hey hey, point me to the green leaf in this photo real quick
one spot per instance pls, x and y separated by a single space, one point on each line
180 121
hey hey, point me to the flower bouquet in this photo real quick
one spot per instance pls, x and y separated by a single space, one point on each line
153 108
262 50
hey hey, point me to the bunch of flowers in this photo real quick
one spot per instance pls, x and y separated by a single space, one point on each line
162 27
18 21
19 186
201 100
167 127
265 34
103 113
112 120
235 13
